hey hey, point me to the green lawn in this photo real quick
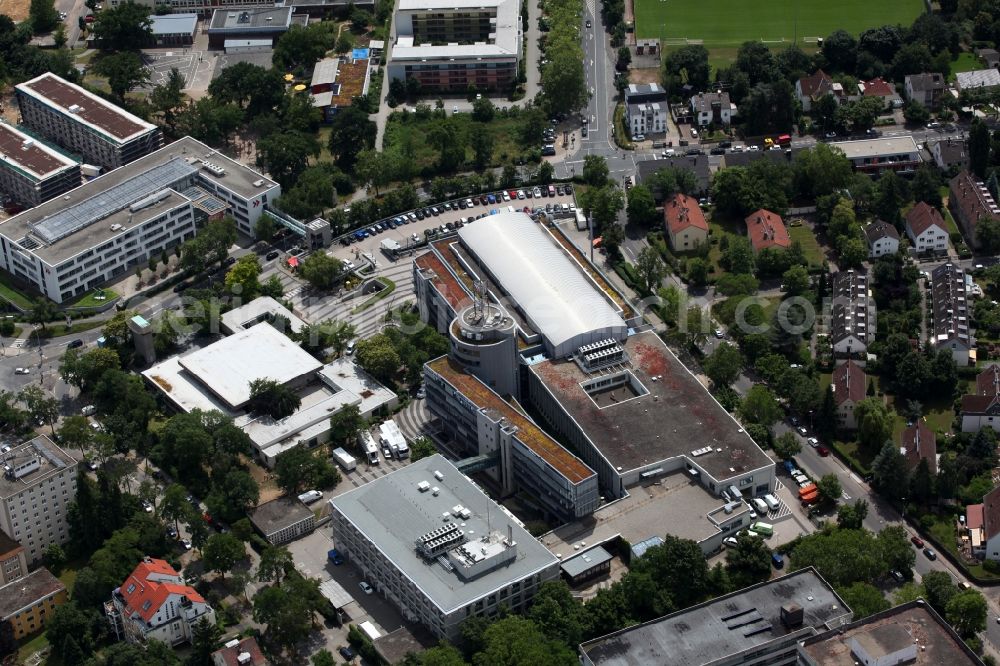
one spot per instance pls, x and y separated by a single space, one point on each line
9 293
810 246
91 301
30 645
965 62
732 22
413 133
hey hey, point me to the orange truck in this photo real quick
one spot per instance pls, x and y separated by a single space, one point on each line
806 490
811 498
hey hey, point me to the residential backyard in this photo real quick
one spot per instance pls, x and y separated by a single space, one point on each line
807 239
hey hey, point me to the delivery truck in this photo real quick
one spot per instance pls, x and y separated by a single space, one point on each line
344 459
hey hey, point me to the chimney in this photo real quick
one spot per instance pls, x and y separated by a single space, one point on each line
792 615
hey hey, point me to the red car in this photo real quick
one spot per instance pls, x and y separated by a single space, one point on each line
917 541
89 18
823 451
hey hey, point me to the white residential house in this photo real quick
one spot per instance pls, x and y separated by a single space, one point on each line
926 229
982 409
154 602
646 108
882 239
709 108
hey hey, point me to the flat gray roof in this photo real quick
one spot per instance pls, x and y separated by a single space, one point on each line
276 515
890 631
576 565
174 24
228 366
392 514
724 626
50 457
24 592
250 19
882 147
677 416
111 194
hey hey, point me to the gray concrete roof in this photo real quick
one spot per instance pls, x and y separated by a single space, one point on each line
576 565
718 628
278 514
52 460
250 19
392 513
174 24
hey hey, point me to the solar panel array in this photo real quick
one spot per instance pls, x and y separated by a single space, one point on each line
75 217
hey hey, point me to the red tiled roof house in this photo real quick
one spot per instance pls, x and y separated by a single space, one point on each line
766 229
849 384
154 602
926 229
685 223
917 443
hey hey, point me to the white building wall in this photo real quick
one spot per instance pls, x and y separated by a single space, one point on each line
883 247
36 516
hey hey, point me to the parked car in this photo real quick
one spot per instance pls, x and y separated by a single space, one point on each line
75 344
813 442
823 451
930 554
897 576
346 652
917 541
21 371
365 587
273 254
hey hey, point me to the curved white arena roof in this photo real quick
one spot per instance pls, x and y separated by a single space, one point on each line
557 298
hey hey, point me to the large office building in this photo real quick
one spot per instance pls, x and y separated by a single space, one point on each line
81 122
217 377
69 245
450 46
756 626
438 547
30 171
545 327
36 489
266 23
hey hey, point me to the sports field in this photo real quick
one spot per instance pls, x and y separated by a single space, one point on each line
728 23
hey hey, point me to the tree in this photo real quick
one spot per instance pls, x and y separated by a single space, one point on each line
557 614
650 268
350 132
41 312
697 271
842 557
829 488
686 65
8 643
796 280
852 516
221 552
54 558
749 561
595 170
724 364
241 279
288 610
325 658
422 447
274 562
564 85
604 204
447 137
297 469
482 148
864 599
267 396
174 505
204 641
979 148
988 235
874 422
320 270
546 172
916 113
760 406
940 588
286 155
43 15
167 97
378 357
516 640
966 612
39 405
641 207
302 46
126 27
889 472
233 495
821 171
786 445
345 425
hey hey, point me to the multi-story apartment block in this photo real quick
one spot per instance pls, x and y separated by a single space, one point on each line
852 315
646 108
70 245
30 171
38 484
155 603
438 547
458 44
13 563
30 602
876 156
80 121
951 326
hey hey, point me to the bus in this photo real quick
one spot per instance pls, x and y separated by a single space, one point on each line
764 529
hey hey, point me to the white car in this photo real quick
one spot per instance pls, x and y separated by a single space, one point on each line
731 543
21 371
365 587
753 148
639 137
186 543
147 507
813 442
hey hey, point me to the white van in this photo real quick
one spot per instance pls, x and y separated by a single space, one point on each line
772 502
310 496
88 410
758 504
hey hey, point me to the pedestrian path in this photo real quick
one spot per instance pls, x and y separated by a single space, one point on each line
413 420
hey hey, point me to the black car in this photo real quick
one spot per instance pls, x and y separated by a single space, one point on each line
419 214
273 254
718 151
694 151
75 344
461 204
725 144
346 652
